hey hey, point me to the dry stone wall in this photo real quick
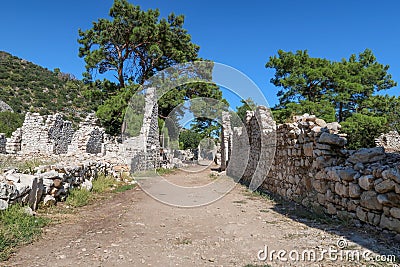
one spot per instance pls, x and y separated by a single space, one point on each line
50 136
311 166
52 183
390 141
3 142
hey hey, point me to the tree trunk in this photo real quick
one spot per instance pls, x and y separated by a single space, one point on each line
340 115
121 75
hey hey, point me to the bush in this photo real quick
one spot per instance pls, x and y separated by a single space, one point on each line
362 130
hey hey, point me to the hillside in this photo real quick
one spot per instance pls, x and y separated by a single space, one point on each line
25 86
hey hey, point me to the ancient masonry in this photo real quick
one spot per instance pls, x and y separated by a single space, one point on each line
51 183
310 166
390 141
51 135
143 151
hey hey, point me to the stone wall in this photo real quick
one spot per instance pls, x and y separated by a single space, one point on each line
142 152
3 142
390 141
51 183
89 137
311 166
50 135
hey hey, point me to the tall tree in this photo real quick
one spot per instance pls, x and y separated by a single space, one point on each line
345 84
134 44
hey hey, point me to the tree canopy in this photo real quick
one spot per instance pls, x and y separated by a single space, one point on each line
344 90
134 44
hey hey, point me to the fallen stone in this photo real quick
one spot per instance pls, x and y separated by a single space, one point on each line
87 184
3 204
365 155
36 193
49 200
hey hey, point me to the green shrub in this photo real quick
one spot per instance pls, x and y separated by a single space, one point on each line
17 228
78 197
103 183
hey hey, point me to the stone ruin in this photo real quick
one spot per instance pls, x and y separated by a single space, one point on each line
390 141
309 165
51 135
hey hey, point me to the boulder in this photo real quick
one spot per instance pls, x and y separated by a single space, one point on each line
365 155
49 175
392 174
87 184
395 212
390 223
347 174
332 139
385 186
366 182
3 204
354 190
369 200
8 191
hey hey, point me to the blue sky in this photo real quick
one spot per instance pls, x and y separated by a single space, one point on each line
242 34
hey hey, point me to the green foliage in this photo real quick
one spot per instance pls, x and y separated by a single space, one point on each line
189 139
323 110
247 104
78 197
112 112
29 87
363 129
9 122
343 90
346 84
17 228
124 188
103 184
135 43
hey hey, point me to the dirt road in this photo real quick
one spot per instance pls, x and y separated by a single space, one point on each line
133 229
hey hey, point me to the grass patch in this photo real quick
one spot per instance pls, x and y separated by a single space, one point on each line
162 171
103 184
78 197
124 188
18 228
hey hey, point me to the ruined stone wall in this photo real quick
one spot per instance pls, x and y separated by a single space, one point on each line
311 166
52 183
390 141
142 152
226 140
88 138
46 137
3 142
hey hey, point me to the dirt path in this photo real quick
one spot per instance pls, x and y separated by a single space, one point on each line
133 229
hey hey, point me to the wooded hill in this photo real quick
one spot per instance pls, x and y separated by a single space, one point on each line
25 86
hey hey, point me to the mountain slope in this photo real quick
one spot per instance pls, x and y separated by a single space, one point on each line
25 86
